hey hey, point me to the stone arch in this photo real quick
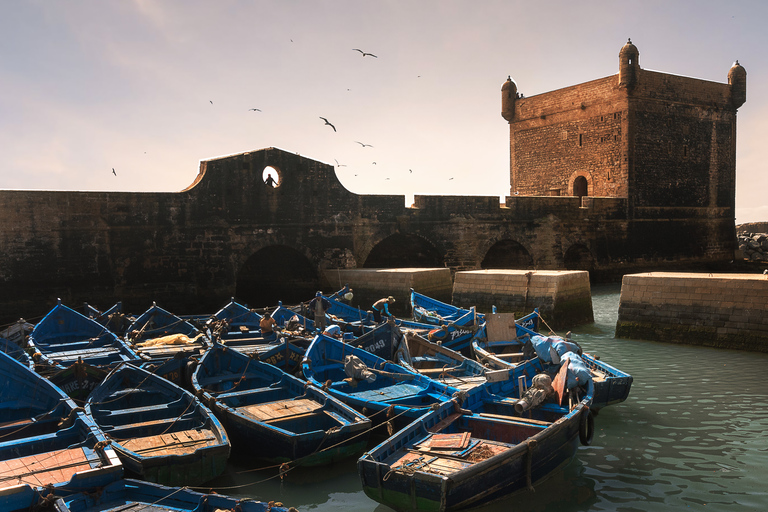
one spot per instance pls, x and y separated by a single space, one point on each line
579 257
276 273
404 251
507 254
271 176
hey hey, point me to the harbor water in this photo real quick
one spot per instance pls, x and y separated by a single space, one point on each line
693 435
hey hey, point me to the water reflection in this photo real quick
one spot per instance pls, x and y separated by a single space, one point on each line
692 434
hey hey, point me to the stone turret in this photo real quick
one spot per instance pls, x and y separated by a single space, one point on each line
508 97
629 64
737 79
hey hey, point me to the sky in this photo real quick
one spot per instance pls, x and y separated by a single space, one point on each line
149 88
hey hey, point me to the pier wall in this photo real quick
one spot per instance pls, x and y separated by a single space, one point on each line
717 310
563 297
370 284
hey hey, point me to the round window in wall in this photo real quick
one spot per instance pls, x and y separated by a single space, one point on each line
271 176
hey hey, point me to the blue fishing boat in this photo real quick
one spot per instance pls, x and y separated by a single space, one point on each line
161 432
16 352
432 311
237 322
382 390
437 362
65 336
500 343
612 385
158 335
131 495
453 336
274 416
45 440
460 457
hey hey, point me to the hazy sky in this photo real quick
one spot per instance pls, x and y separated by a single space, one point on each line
150 88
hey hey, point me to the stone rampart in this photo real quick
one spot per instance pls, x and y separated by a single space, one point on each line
563 297
717 310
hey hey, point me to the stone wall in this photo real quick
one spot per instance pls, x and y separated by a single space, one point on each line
563 298
370 284
754 246
718 310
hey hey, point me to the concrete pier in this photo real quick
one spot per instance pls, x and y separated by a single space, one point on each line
564 298
717 310
371 284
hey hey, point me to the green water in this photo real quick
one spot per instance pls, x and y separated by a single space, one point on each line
693 435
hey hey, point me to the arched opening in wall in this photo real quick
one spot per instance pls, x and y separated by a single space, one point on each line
579 257
507 254
580 187
276 273
404 251
271 176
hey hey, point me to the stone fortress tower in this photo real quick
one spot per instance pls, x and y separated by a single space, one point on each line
665 142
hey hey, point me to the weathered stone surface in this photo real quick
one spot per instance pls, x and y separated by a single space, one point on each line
563 298
230 234
719 310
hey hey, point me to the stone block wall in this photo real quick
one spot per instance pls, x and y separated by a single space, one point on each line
717 310
563 298
370 284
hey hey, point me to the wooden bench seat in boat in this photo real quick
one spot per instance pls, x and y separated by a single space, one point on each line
171 443
43 468
282 409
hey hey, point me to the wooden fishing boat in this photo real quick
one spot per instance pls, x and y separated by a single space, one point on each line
500 343
456 458
274 416
65 336
503 349
432 311
439 363
453 336
382 390
239 323
158 335
130 495
45 439
161 432
16 352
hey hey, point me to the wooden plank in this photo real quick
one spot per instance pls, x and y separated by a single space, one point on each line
173 443
44 468
559 383
500 326
515 419
456 441
280 409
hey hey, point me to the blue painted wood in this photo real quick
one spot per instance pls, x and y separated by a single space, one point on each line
155 323
130 494
133 405
36 419
398 474
396 394
240 389
63 336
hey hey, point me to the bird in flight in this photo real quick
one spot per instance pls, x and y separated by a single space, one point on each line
410 171
254 109
364 145
449 179
211 102
113 171
329 124
364 53
340 165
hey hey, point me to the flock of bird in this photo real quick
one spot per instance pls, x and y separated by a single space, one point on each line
326 121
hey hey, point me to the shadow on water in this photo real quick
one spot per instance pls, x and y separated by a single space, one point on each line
692 435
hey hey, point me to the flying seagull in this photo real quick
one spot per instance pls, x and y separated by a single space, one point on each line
329 124
364 53
364 145
256 109
211 102
340 165
449 179
113 171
